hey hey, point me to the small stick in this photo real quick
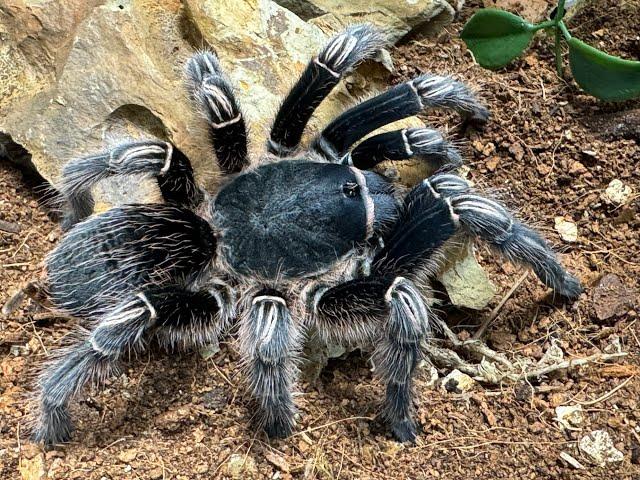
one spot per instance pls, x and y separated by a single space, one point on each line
480 332
608 394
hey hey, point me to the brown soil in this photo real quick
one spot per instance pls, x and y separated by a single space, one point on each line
182 417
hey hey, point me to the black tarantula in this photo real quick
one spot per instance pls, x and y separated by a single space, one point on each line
292 240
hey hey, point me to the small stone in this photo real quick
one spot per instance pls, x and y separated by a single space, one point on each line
241 466
32 468
216 399
209 350
492 163
568 230
155 473
577 168
458 382
612 298
517 151
127 456
598 447
617 193
569 416
277 461
466 283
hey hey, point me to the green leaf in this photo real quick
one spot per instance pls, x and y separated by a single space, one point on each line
496 37
602 75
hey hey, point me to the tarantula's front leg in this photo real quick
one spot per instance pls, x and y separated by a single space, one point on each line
163 160
401 101
393 312
270 341
123 329
213 94
322 74
423 143
445 204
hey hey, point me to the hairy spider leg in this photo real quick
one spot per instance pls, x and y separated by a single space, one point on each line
212 93
402 101
270 343
424 143
166 162
322 74
392 313
124 329
445 204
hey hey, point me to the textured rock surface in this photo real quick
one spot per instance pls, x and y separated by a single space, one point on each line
465 281
396 18
79 76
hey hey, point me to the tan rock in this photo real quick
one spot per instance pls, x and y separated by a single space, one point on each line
397 18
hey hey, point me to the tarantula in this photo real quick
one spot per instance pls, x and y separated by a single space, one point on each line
292 240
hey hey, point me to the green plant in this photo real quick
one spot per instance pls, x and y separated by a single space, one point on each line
497 37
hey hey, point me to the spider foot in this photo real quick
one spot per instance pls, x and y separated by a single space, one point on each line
404 431
280 427
53 427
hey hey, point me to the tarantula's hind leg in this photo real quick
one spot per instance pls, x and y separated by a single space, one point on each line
90 360
401 101
270 340
213 95
394 313
161 159
322 74
423 143
189 315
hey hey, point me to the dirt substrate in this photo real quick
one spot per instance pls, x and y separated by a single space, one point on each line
549 151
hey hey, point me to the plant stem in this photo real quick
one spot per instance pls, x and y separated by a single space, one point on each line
545 24
559 12
563 29
559 25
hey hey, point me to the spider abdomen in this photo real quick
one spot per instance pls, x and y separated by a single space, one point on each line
126 248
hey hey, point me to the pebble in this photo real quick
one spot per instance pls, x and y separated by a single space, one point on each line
569 416
567 230
617 193
598 447
458 382
612 298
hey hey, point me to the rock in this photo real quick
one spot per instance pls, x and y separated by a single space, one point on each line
317 354
415 17
569 416
241 466
617 193
208 351
612 298
598 447
216 399
127 456
32 464
277 461
466 283
458 382
86 75
568 231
